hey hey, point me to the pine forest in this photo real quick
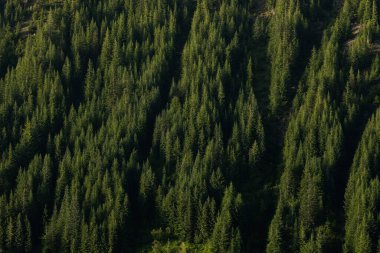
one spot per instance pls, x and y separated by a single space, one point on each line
211 126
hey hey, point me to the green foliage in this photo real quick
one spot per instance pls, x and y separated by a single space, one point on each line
190 126
283 49
362 193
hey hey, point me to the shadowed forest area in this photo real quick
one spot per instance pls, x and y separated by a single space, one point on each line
215 126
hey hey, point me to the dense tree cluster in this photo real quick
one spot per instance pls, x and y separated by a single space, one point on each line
362 194
191 126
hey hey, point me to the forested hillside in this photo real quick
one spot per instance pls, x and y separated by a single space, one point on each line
190 126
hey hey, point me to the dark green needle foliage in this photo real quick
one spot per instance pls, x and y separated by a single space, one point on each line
216 126
362 193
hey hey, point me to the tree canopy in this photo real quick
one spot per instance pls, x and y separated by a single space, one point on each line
189 126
